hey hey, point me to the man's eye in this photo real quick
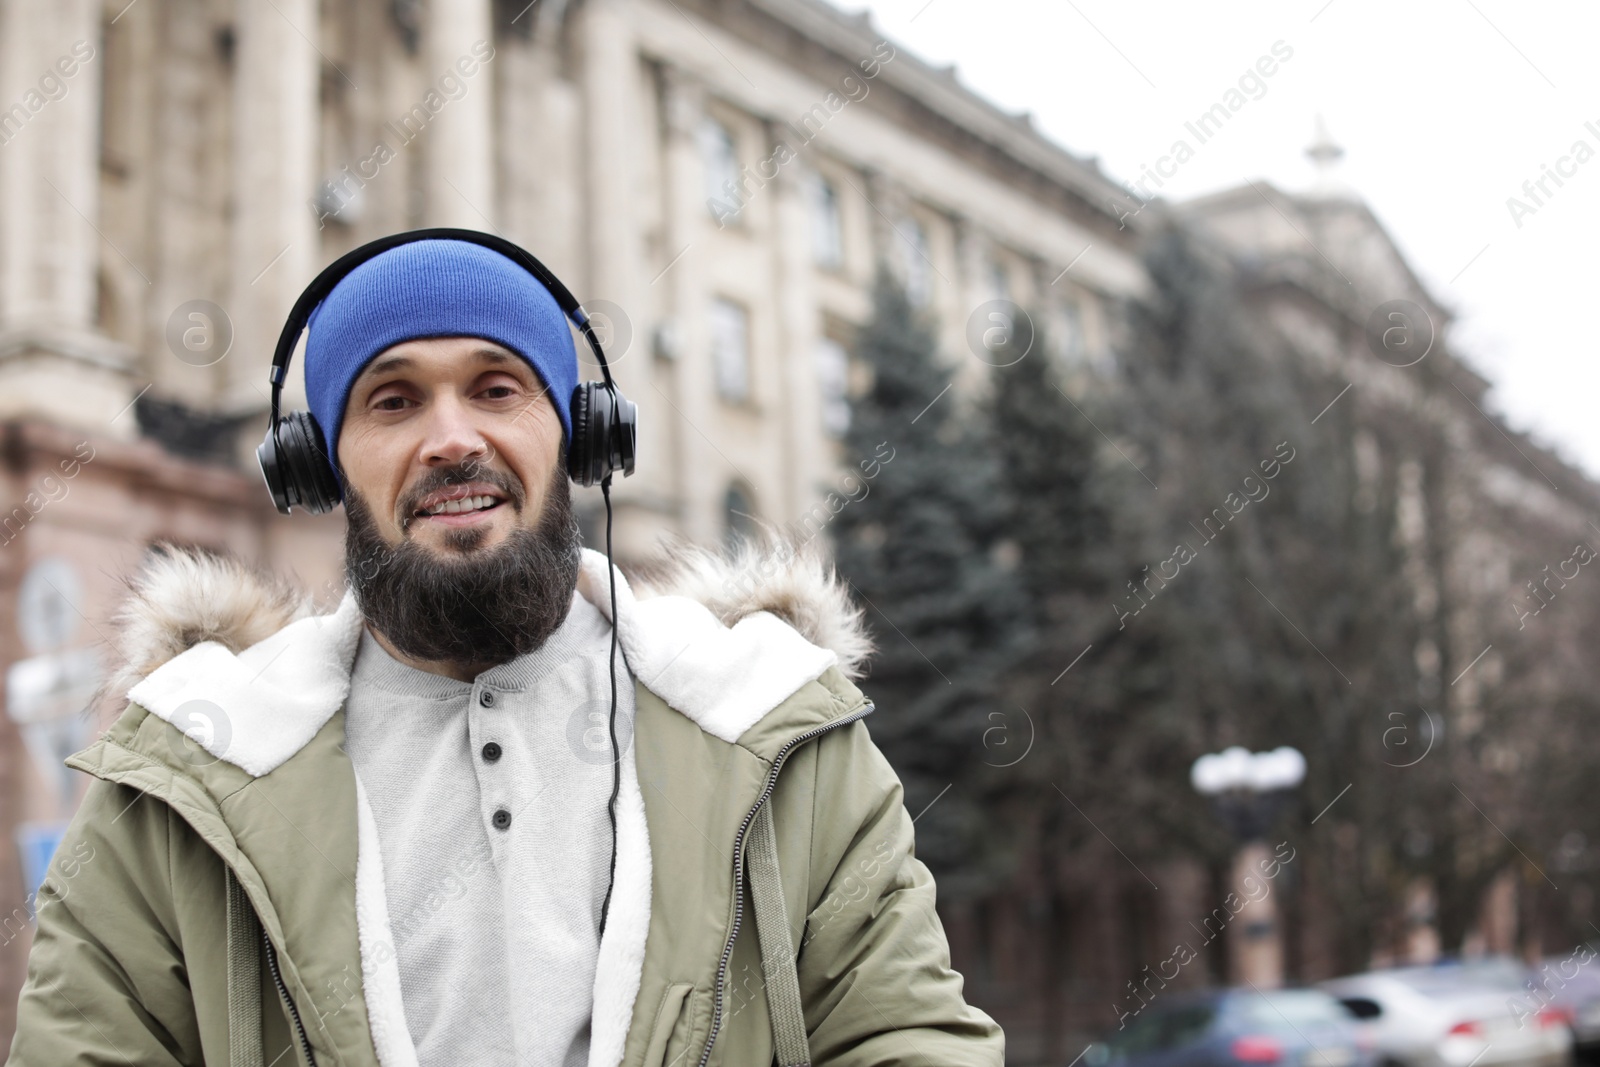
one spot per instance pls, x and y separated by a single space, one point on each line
392 403
497 392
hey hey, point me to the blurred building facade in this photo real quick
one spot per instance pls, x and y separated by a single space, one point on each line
716 181
1492 528
1488 521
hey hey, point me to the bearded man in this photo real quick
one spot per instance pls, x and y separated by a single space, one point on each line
444 824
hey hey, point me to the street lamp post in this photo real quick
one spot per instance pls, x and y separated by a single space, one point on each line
1248 790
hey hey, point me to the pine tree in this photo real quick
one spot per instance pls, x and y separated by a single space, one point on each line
1057 511
1109 734
948 614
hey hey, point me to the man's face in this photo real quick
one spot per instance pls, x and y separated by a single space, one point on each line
460 543
451 442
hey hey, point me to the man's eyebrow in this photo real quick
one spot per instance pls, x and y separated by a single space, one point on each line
385 364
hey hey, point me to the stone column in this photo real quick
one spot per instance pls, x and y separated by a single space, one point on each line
686 402
611 138
886 211
612 141
974 290
805 449
459 145
275 246
52 363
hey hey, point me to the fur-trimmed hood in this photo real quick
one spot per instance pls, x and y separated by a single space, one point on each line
184 600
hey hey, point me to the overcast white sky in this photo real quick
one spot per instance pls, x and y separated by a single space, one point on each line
1444 108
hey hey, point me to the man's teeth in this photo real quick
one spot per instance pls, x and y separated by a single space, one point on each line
470 503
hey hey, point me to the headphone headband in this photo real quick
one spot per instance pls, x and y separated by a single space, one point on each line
300 472
335 272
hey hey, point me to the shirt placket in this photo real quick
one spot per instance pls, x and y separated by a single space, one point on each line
485 724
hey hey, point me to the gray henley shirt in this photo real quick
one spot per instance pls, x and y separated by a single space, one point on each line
490 802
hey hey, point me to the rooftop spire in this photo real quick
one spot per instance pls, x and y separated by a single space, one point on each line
1325 154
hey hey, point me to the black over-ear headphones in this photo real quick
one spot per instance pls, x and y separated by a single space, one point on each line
294 457
299 472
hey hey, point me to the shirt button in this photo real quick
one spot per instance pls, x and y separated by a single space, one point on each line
491 752
486 698
502 819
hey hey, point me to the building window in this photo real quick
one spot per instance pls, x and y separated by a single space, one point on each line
1068 339
730 349
833 378
918 265
999 280
827 230
719 155
739 521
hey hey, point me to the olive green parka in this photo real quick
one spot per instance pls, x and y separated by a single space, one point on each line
217 899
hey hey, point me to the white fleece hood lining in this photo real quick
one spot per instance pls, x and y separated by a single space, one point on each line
258 707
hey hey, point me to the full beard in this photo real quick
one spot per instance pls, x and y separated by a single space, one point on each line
470 606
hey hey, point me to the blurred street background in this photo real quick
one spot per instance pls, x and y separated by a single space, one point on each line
1197 403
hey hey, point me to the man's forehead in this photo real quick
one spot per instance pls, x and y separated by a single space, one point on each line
467 352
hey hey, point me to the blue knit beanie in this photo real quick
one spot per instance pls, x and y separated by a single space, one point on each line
434 288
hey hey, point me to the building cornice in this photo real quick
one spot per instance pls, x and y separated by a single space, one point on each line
144 465
85 346
937 91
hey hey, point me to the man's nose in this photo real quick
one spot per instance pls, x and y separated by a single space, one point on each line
452 438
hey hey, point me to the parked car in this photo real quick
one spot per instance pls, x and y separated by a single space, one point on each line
1236 1028
1571 984
1455 1015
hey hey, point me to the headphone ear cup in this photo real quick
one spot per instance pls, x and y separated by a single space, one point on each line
304 465
625 435
272 469
604 433
586 453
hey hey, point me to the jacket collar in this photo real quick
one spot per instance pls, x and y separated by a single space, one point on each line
256 706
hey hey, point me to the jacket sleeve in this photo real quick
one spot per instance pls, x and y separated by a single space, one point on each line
874 966
105 982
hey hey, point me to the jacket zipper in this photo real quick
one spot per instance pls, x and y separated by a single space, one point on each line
738 864
283 992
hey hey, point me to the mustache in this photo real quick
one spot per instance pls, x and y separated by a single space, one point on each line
437 478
